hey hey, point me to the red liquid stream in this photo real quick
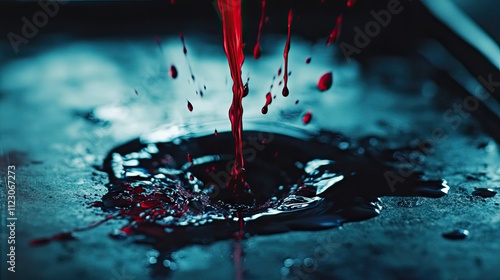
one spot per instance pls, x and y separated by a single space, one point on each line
285 54
233 47
256 49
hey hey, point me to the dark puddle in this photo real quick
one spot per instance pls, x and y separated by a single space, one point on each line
170 185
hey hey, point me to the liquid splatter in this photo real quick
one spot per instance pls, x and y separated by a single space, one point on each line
190 106
307 117
335 32
173 71
325 82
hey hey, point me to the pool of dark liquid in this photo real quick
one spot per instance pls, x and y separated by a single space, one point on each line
170 185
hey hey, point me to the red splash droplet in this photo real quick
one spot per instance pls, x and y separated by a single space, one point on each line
264 110
173 71
285 92
269 98
246 90
256 51
325 82
307 117
184 49
297 101
190 106
351 3
279 72
189 158
335 32
191 178
308 60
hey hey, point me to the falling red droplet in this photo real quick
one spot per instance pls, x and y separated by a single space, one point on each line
245 89
184 49
173 71
256 51
308 60
189 158
325 82
190 106
297 101
289 73
307 118
351 3
285 92
279 72
264 110
280 83
216 133
269 98
335 32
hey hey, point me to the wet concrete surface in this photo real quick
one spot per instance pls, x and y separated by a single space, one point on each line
55 149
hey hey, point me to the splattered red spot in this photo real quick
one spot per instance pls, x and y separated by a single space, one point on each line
325 82
307 117
173 71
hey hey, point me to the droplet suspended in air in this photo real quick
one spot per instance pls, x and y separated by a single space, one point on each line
325 82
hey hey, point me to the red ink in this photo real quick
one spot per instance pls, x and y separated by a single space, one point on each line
307 117
308 60
325 82
335 32
256 49
190 106
233 47
184 49
285 54
279 72
173 71
246 90
269 100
